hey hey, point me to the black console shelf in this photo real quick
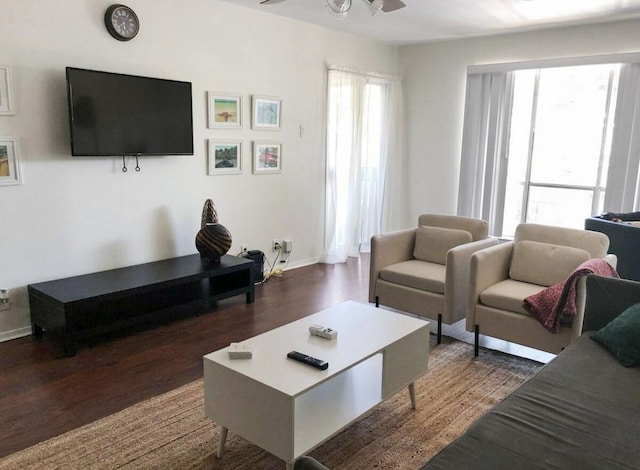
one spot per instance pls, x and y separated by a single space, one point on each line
91 304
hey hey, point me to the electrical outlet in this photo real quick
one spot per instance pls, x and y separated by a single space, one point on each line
244 248
276 244
4 299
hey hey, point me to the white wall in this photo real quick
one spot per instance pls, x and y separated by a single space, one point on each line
434 83
80 215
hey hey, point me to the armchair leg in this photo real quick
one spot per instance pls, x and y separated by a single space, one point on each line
377 302
476 347
439 328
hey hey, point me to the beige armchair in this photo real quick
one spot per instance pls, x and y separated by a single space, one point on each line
425 270
504 275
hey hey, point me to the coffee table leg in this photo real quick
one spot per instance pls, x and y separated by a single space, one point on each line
223 438
412 394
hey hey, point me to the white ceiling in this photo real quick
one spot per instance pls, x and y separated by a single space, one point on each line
431 20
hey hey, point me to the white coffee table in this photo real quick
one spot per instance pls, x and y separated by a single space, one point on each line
289 408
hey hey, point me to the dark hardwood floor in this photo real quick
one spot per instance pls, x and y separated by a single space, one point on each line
44 394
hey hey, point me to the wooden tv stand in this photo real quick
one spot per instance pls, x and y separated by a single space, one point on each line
92 304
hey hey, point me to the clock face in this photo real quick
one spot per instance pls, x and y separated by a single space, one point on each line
121 22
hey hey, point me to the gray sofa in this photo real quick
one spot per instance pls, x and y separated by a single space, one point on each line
581 411
623 231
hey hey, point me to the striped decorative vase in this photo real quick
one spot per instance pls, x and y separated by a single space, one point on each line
209 213
213 240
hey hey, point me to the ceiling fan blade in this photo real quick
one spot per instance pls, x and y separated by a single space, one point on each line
392 5
270 2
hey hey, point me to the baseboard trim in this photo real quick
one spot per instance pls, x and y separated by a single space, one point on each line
15 334
293 265
302 263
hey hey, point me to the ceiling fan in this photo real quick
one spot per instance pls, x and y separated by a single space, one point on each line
341 7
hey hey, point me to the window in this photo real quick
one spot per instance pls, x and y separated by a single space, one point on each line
540 145
559 145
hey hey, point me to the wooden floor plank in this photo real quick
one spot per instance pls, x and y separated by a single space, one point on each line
44 394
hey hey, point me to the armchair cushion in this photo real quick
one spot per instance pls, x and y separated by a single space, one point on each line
433 243
596 244
478 229
622 337
559 303
544 264
417 274
508 295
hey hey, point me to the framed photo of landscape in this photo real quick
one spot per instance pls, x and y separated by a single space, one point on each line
9 163
266 112
225 157
225 110
267 157
6 105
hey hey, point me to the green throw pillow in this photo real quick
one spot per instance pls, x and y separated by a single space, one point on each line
622 337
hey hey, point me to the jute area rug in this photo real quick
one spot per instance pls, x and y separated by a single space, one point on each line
170 431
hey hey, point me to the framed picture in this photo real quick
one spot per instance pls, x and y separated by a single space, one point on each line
6 105
9 163
225 158
225 110
267 157
266 112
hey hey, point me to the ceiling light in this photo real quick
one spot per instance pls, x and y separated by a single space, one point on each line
374 5
339 7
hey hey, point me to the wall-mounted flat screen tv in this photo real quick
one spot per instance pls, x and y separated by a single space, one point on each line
112 114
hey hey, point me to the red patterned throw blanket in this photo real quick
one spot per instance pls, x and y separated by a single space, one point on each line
557 304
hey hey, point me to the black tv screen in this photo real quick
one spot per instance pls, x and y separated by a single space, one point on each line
113 114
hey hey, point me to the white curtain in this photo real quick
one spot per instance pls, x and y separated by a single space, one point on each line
359 139
623 180
395 207
484 144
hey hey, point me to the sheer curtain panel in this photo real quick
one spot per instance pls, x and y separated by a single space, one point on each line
359 139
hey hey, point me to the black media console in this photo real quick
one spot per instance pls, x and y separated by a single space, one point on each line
91 304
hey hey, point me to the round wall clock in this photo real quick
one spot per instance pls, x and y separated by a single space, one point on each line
121 22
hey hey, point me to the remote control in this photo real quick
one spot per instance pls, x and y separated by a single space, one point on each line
322 332
311 361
